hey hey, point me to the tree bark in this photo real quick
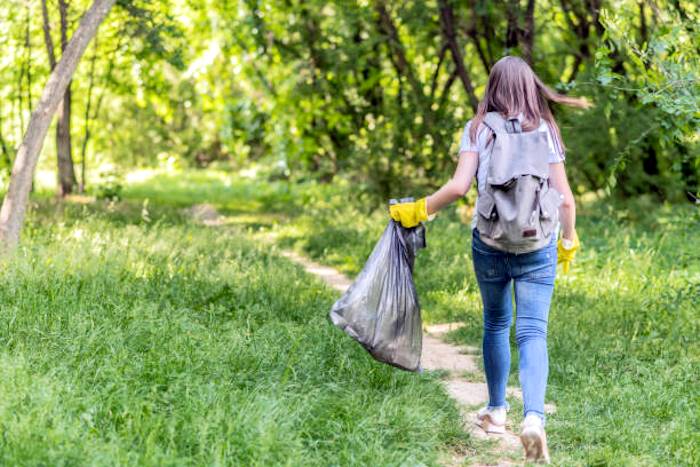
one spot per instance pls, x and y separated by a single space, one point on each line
14 204
47 35
28 48
512 10
64 142
528 32
64 159
86 124
64 146
20 93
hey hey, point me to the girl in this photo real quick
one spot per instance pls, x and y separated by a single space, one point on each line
514 91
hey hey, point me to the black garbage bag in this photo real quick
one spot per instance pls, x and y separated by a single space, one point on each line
380 310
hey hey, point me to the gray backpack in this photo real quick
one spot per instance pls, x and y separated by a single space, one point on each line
517 210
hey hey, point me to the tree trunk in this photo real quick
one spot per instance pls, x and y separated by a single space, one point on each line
517 35
66 172
86 124
64 147
28 48
528 32
15 203
20 93
64 144
512 11
47 35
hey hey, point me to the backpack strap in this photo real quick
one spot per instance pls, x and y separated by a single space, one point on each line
496 123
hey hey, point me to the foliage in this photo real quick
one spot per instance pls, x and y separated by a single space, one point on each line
341 94
110 186
377 91
662 74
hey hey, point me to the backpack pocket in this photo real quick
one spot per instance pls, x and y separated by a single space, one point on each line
549 210
486 214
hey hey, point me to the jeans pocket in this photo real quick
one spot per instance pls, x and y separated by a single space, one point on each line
479 245
488 266
540 264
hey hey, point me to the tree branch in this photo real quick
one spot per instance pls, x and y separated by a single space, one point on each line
47 35
448 31
402 65
446 89
473 32
436 73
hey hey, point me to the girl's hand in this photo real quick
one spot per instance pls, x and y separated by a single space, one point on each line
566 251
409 214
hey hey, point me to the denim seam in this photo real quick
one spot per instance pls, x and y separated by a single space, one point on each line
488 253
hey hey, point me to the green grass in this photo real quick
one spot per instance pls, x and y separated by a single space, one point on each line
623 335
133 337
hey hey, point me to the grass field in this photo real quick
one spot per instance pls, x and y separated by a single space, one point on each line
623 339
133 337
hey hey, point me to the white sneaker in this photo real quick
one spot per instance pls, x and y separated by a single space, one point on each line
492 420
534 440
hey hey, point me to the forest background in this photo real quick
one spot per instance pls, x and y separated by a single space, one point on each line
375 92
147 316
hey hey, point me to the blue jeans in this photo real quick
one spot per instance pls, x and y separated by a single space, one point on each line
533 277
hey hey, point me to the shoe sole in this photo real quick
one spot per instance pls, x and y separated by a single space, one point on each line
489 427
534 445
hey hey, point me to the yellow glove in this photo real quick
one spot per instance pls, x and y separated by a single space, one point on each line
409 214
566 251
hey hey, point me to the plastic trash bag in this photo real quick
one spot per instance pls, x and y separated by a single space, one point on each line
380 310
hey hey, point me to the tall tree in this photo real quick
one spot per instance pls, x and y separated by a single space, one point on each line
64 147
28 58
14 204
86 120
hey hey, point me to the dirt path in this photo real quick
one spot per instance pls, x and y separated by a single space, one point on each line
460 363
463 378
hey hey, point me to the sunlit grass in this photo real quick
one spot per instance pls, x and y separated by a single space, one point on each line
623 329
133 336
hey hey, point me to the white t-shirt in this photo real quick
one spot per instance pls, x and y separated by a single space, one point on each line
556 153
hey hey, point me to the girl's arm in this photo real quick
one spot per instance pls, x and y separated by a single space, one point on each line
458 185
567 210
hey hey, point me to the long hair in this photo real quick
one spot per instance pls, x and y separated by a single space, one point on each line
513 88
